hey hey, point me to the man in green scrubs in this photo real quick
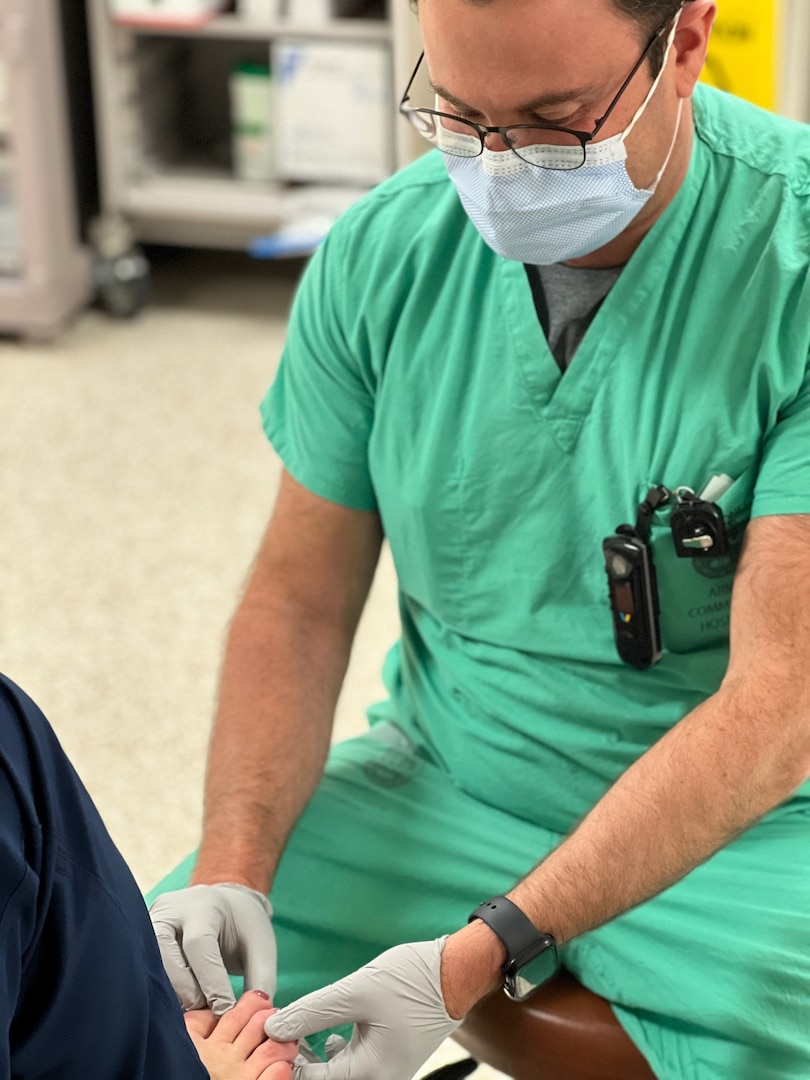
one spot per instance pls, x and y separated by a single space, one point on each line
491 364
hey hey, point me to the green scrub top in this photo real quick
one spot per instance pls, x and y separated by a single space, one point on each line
416 382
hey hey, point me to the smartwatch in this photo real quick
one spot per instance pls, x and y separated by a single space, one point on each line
531 957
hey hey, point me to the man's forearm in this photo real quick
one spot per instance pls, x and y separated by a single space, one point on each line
730 761
280 681
725 765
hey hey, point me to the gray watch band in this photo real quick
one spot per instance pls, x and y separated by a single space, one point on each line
516 931
531 958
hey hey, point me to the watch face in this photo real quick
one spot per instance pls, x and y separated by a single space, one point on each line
524 980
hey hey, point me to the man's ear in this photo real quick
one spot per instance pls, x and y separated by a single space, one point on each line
692 43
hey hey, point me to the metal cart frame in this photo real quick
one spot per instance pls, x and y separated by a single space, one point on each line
55 275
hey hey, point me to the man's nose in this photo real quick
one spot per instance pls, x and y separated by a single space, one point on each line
496 142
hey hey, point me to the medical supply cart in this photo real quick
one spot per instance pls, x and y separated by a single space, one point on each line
45 272
164 115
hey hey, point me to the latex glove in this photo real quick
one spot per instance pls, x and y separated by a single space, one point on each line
207 932
398 1012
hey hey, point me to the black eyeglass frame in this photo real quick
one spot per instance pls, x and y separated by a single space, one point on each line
584 137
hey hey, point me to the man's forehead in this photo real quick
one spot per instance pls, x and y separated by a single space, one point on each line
542 101
548 33
524 55
577 13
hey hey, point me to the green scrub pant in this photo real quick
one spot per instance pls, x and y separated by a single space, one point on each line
711 979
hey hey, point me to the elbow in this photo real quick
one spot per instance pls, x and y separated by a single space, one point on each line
773 716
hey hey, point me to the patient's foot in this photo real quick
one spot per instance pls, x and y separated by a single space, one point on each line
235 1047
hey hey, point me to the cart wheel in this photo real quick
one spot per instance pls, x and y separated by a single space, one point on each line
122 270
123 283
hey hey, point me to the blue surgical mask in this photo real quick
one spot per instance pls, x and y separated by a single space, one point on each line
544 215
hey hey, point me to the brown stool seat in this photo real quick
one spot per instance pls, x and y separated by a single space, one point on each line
562 1032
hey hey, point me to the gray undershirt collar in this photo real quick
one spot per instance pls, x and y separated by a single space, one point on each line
573 296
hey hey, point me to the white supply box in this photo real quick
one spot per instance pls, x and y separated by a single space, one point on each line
334 114
166 12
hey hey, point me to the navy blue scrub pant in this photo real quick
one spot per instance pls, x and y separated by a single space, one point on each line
83 993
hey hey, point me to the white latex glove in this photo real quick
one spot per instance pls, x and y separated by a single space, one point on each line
398 1012
207 932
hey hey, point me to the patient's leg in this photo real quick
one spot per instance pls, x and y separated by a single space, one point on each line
236 1047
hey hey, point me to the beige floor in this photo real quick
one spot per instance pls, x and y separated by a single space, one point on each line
135 484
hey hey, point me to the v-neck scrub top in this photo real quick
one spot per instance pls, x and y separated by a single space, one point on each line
416 381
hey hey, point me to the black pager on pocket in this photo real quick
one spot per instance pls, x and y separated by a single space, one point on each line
633 597
633 586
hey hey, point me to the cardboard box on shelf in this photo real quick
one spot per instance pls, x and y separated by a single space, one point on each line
333 111
163 12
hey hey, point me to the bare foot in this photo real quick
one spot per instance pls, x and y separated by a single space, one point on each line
235 1047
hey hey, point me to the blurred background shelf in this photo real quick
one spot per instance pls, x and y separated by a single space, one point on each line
207 208
168 154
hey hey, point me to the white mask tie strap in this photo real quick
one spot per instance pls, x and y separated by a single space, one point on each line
656 80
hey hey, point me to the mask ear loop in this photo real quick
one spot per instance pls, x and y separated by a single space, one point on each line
656 80
645 103
671 150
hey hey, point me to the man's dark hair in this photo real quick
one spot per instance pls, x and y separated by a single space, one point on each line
649 14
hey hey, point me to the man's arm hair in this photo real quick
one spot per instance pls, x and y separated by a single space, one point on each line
286 657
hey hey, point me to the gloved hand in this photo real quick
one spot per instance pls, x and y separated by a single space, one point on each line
397 1009
207 932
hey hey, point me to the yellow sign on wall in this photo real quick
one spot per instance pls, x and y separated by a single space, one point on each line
744 50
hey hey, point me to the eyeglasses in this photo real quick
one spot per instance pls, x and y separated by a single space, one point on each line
464 138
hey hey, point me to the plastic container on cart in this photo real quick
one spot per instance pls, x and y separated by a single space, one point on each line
252 122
